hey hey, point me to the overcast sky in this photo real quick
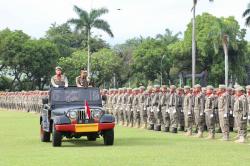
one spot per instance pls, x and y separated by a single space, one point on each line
136 17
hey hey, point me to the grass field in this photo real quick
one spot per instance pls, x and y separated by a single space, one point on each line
20 145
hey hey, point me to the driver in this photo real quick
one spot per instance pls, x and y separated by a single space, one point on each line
59 79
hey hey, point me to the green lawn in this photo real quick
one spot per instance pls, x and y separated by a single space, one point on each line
20 145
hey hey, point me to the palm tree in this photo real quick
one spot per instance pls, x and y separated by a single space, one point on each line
193 42
246 14
89 20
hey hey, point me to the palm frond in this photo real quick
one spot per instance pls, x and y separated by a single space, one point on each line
103 25
95 13
247 21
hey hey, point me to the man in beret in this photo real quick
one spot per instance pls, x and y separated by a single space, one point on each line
82 80
188 110
223 111
59 79
240 112
199 101
210 112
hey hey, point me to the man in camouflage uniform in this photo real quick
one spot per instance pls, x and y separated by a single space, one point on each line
129 107
248 102
135 109
173 111
199 110
209 112
149 107
157 115
223 110
164 107
180 109
123 107
142 108
188 110
230 107
240 113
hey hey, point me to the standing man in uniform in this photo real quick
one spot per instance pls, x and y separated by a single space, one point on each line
188 110
82 80
157 116
223 111
164 100
209 112
240 112
59 79
174 119
199 110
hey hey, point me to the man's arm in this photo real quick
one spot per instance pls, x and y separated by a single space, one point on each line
77 83
66 82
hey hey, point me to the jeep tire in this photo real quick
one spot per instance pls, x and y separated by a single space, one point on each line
44 135
56 137
108 137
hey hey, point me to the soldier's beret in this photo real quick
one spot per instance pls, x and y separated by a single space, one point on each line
236 85
149 87
172 87
142 87
197 86
210 87
222 86
157 86
58 68
186 87
104 90
239 88
129 88
248 87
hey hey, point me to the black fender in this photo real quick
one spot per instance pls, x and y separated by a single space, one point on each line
61 120
107 118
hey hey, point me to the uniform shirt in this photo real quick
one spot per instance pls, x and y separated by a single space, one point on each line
188 102
240 104
59 81
210 102
82 82
223 103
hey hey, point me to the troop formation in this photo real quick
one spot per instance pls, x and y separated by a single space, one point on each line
192 110
22 101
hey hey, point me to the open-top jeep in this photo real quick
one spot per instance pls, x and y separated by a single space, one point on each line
74 112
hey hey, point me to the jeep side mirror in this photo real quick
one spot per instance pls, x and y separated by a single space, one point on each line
45 100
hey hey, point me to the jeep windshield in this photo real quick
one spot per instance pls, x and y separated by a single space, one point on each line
75 95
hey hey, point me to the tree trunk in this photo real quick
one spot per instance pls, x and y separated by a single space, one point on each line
193 46
225 48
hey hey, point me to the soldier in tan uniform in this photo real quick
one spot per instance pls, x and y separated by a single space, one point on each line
209 112
188 110
59 79
223 111
173 111
199 110
82 80
240 113
164 106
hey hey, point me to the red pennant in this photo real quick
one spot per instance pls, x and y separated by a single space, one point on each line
87 109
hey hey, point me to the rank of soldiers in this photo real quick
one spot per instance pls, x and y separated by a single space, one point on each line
172 109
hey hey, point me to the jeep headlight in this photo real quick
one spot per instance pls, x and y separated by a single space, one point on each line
72 114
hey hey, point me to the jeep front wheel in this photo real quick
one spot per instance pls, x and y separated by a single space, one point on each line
108 137
44 135
56 137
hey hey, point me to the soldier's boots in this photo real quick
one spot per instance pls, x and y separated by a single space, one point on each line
157 127
188 133
199 135
174 130
151 127
225 137
182 128
231 129
242 139
211 135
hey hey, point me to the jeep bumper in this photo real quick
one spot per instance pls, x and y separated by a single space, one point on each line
81 128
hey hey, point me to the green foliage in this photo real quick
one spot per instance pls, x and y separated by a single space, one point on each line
105 63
